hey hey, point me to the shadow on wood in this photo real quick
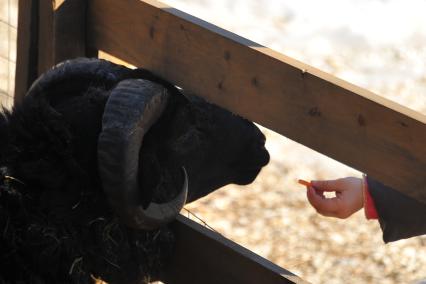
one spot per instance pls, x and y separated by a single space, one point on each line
203 256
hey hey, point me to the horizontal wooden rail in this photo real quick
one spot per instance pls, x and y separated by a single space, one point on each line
203 256
331 116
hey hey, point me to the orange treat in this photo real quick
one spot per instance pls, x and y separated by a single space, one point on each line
304 182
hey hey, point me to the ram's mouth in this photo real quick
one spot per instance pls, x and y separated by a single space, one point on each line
132 108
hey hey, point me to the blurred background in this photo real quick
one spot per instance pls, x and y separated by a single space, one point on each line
376 44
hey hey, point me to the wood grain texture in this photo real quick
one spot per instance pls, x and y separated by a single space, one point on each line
203 256
376 136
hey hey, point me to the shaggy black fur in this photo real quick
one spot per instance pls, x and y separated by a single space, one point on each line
56 225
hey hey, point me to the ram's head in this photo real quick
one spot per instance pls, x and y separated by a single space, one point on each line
152 148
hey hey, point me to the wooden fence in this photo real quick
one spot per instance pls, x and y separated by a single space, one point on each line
340 120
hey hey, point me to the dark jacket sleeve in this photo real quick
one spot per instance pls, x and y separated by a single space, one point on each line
400 216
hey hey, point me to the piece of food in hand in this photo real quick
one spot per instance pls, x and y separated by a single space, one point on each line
309 184
304 182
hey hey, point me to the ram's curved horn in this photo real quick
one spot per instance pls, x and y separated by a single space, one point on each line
132 108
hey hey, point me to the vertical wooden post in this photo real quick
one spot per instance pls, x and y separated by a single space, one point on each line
27 41
49 31
62 31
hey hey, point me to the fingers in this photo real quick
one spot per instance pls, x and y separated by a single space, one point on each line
348 200
330 207
329 185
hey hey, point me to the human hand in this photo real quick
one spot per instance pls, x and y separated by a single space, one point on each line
348 200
